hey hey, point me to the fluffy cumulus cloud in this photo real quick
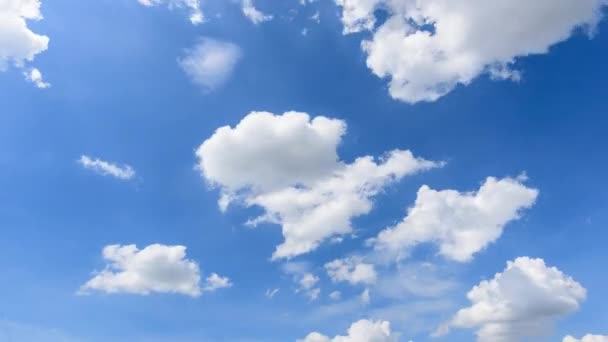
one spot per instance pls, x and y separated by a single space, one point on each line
106 168
216 282
360 331
352 270
194 6
523 301
461 224
209 63
587 338
427 48
252 13
288 165
156 268
18 44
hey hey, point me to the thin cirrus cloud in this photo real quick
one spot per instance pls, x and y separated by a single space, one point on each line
210 63
427 48
461 224
360 331
19 45
155 269
105 168
194 6
288 165
523 301
253 14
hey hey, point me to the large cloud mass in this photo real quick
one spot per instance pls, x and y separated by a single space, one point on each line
18 44
288 165
426 48
461 224
522 301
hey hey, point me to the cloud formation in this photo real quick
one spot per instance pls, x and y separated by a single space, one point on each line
461 224
352 270
288 165
35 76
18 44
196 14
252 13
154 269
360 331
587 338
522 301
106 168
427 48
209 63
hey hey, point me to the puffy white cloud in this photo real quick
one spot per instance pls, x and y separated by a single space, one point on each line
461 224
522 301
427 48
358 15
35 76
196 14
105 168
360 331
209 63
215 282
252 13
156 268
288 165
18 44
352 270
587 338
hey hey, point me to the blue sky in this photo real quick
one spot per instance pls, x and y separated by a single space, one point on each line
120 93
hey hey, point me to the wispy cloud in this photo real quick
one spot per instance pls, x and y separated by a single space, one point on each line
105 168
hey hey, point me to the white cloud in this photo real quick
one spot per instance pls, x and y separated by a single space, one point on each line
335 295
352 270
156 268
461 224
308 281
33 75
215 282
522 301
587 338
252 13
288 165
18 44
360 331
358 15
210 62
105 168
196 14
305 280
427 48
